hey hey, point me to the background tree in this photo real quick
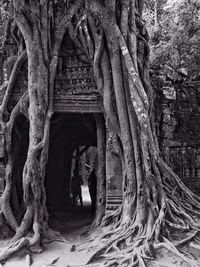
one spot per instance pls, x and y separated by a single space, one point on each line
157 209
176 43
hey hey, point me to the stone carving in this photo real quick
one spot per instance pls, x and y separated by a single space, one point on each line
75 77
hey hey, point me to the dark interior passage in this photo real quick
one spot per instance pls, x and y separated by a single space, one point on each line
69 133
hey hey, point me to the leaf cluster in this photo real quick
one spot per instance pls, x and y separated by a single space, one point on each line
176 42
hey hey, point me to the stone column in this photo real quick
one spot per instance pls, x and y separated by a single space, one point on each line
114 175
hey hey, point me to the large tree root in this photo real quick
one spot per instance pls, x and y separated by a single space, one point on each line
157 209
37 106
135 255
5 199
131 246
13 248
28 243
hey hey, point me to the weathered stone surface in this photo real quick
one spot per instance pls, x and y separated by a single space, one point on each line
177 119
75 89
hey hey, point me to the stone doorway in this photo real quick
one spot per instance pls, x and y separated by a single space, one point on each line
70 136
72 145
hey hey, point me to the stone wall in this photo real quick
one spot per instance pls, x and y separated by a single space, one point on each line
177 110
177 118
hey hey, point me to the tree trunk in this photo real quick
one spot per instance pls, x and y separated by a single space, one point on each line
113 36
101 170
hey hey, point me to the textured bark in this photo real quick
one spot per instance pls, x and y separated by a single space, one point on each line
113 37
101 171
42 53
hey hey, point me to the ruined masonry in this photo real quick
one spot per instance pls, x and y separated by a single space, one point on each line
177 118
77 101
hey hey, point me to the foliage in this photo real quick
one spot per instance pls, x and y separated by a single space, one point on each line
176 41
157 209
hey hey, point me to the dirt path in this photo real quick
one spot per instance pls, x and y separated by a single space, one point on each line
72 249
66 251
57 254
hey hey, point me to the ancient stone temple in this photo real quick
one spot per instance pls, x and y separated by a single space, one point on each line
78 110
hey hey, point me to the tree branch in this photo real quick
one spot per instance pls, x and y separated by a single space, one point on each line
11 82
61 27
23 24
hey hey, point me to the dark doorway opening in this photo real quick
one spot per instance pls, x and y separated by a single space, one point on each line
72 137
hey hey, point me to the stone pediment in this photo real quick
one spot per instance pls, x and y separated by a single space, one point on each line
74 77
75 89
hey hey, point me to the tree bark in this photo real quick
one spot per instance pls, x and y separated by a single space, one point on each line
113 37
101 170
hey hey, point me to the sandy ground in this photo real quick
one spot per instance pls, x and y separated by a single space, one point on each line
59 254
56 254
71 224
72 249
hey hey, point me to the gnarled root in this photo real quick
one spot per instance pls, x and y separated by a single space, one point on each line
133 244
